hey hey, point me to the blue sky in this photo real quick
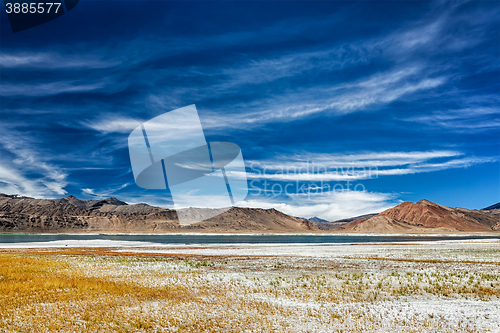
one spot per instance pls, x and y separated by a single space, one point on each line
399 98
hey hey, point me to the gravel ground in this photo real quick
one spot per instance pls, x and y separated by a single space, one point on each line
444 286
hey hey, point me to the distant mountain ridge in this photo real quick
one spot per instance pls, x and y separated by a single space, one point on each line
426 216
91 204
317 220
72 215
495 206
325 225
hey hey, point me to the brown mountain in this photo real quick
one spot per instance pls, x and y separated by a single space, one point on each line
72 215
239 219
426 217
495 206
339 223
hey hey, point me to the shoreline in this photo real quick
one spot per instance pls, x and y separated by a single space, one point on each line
162 247
325 234
225 241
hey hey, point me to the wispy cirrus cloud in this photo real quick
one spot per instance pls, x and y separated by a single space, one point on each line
330 206
47 89
334 99
102 193
110 124
408 76
375 90
398 92
13 181
53 61
350 167
411 75
25 170
462 120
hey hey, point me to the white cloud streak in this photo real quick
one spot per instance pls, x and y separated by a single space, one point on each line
47 89
109 124
463 120
29 172
102 193
350 167
52 60
330 206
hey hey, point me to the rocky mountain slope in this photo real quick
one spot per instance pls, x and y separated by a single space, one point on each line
71 215
316 219
492 207
239 219
426 217
325 225
23 214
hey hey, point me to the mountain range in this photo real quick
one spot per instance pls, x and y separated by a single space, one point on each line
426 217
325 225
71 215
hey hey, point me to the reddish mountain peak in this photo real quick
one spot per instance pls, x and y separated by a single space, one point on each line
427 203
427 214
424 216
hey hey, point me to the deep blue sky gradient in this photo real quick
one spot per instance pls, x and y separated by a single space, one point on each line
410 88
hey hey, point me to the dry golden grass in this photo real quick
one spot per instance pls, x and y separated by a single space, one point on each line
43 293
28 284
102 290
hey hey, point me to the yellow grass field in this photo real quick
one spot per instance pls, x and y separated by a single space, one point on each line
115 289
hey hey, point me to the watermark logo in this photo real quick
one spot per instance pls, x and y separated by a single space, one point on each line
170 151
308 178
28 14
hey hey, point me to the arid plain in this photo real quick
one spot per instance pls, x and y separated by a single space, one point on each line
439 286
